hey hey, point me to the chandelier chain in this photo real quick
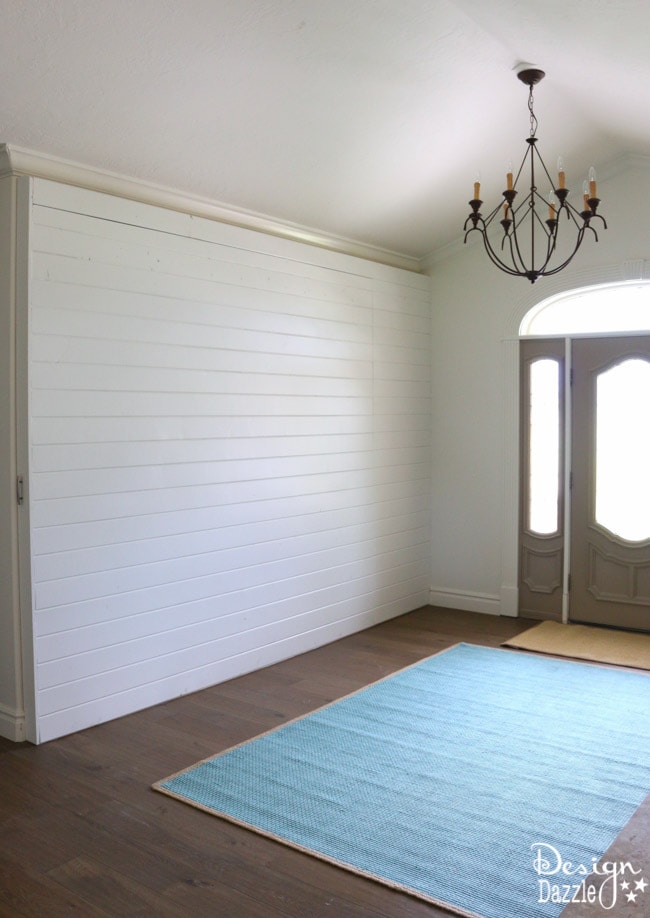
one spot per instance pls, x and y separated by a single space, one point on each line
533 119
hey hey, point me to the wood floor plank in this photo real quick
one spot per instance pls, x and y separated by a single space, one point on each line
29 895
83 833
103 887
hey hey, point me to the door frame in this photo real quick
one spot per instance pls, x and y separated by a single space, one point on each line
574 281
567 447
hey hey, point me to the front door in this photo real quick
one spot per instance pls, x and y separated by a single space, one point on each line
610 490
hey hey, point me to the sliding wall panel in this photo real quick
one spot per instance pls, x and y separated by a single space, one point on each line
12 714
229 451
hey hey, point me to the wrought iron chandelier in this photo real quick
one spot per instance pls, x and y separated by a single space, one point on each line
530 242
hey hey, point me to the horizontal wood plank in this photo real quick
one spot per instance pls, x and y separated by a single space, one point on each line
230 451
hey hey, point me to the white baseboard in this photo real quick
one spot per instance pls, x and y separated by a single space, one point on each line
510 601
468 602
12 724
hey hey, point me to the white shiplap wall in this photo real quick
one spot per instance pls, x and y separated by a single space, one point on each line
229 451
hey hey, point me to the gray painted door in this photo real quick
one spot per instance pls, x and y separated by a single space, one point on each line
610 493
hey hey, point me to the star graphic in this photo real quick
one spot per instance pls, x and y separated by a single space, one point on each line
641 884
631 897
625 885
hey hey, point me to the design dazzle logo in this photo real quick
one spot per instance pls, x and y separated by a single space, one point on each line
606 884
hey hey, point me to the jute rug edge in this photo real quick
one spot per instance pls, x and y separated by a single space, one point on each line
586 642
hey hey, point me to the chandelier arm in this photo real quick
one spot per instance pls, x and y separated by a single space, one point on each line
521 167
515 270
579 241
551 243
590 227
563 265
494 258
537 216
551 240
515 254
519 259
572 214
550 236
548 174
490 217
479 223
519 266
550 251
473 229
502 265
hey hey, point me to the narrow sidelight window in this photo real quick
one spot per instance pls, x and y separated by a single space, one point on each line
544 447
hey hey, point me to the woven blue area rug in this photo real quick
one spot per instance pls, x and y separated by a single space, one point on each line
472 779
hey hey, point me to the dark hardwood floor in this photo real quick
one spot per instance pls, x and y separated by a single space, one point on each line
82 833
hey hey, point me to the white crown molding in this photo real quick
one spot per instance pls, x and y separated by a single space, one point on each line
451 249
19 161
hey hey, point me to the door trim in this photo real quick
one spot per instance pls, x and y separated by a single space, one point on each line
568 452
575 279
568 457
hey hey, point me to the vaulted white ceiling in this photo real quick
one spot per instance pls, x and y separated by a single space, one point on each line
365 119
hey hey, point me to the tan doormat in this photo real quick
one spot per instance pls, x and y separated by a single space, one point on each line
583 642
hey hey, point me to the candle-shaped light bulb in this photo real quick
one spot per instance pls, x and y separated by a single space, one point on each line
477 186
551 205
509 177
561 177
585 194
592 182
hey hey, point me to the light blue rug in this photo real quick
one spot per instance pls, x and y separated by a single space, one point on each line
465 779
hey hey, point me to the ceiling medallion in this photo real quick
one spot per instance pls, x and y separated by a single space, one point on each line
529 242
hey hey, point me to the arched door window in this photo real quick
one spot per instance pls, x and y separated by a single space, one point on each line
610 309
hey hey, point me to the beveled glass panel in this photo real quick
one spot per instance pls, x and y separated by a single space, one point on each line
623 450
544 447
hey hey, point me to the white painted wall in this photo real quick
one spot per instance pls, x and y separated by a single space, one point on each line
229 447
475 320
